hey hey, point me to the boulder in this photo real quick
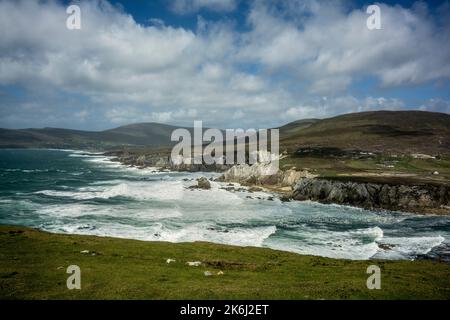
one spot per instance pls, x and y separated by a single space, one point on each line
203 183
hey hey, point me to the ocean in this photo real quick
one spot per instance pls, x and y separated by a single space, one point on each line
77 192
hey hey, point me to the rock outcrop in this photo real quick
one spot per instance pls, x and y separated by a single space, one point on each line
302 185
264 175
203 183
410 198
163 161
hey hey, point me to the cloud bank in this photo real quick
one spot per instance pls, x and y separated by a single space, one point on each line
298 59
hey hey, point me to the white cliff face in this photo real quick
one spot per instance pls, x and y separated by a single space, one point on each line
267 165
245 171
265 173
262 156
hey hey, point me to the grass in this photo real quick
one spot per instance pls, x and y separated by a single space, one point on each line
33 266
380 132
380 164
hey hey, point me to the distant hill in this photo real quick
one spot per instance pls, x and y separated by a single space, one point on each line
295 127
140 134
378 131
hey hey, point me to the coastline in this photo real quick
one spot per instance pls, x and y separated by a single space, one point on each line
388 193
34 267
284 185
384 246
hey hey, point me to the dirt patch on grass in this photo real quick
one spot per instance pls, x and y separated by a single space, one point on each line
231 265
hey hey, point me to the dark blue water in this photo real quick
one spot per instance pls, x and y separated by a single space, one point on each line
85 193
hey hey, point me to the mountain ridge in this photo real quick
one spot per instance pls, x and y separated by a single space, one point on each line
379 131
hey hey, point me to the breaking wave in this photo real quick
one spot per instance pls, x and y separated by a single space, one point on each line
88 193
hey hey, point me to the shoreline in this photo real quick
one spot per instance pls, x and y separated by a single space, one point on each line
34 267
216 232
383 193
159 159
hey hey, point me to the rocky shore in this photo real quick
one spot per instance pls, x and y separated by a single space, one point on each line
302 185
162 160
422 198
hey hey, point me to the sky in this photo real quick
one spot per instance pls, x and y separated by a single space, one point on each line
229 63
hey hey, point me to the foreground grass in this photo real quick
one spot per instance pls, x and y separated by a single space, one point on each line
33 266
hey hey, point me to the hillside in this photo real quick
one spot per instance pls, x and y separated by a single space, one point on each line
34 267
140 134
295 127
399 132
397 147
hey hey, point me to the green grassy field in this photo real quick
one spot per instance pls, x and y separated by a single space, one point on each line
33 266
420 169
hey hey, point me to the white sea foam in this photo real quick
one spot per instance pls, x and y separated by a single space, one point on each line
77 210
167 190
159 206
92 153
356 244
236 236
157 232
144 191
30 170
107 163
80 155
408 247
72 210
104 161
215 196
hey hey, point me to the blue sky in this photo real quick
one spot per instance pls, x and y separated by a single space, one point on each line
230 63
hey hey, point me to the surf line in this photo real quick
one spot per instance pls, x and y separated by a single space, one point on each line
193 310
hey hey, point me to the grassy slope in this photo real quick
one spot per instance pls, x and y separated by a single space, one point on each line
382 131
139 134
393 136
420 170
33 263
400 132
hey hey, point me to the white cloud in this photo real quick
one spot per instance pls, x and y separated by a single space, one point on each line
436 105
332 46
326 107
116 71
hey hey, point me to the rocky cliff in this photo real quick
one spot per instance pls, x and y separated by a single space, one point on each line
162 160
302 185
424 198
264 175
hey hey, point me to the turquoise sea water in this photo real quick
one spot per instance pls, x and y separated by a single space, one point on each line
84 193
